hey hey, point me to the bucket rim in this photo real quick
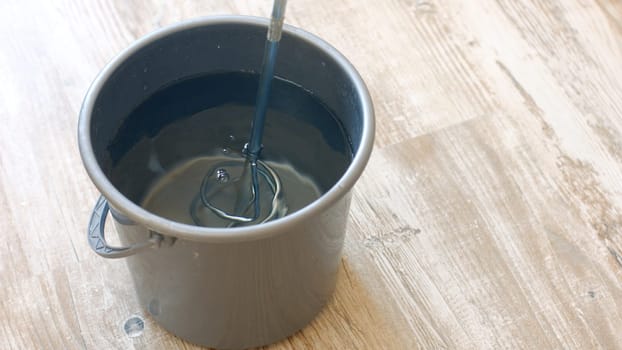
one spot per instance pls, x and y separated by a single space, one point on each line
168 227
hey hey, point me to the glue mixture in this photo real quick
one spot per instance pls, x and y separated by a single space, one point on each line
176 135
171 195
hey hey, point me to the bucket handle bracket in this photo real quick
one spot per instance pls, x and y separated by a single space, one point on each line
97 239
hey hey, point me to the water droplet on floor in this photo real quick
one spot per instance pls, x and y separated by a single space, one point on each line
134 326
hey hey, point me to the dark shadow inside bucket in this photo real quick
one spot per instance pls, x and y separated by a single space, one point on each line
193 93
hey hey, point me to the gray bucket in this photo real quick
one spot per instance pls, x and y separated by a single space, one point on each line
236 287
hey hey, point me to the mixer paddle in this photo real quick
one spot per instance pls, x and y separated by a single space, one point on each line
248 170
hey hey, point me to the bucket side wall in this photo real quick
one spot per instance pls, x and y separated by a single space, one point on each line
243 294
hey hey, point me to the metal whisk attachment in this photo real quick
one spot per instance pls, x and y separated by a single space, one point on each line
245 187
219 183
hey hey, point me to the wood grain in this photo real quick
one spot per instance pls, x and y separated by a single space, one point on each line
489 217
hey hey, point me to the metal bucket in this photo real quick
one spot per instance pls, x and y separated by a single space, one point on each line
237 287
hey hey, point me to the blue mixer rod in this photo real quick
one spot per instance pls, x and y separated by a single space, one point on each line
263 98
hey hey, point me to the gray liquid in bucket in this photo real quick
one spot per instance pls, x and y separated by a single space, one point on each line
171 195
167 144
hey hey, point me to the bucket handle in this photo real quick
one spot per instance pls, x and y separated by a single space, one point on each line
97 240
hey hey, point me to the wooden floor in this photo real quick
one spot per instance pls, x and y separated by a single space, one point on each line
489 217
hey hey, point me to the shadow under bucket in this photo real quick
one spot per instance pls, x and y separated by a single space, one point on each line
225 287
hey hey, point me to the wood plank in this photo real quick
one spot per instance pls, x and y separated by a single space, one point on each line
482 250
